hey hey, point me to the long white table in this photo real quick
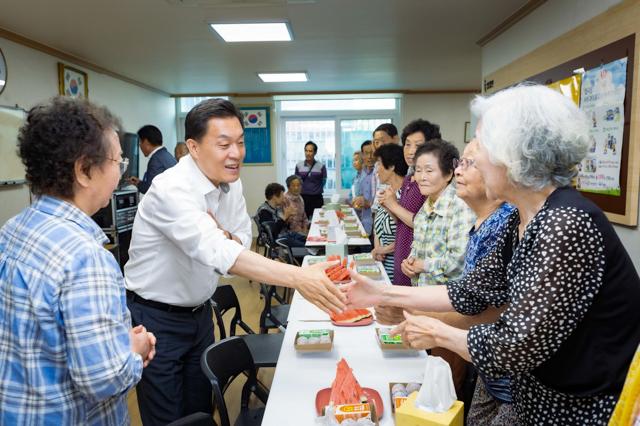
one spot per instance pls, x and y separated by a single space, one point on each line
299 376
314 229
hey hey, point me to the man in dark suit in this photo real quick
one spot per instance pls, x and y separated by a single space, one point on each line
159 158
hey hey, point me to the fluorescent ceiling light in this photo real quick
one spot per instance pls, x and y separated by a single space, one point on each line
283 77
276 31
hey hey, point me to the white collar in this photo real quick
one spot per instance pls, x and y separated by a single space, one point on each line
155 150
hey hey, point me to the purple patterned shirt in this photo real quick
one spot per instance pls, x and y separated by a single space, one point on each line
412 200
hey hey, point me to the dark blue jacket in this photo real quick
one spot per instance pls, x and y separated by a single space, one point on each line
158 163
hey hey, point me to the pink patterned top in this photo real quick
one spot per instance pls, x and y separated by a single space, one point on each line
298 222
412 200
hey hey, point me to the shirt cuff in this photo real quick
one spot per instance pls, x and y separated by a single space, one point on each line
480 353
229 251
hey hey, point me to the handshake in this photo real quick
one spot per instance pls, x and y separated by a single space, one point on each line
143 343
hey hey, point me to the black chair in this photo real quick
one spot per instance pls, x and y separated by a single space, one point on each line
195 419
264 348
261 240
271 248
273 316
292 255
222 363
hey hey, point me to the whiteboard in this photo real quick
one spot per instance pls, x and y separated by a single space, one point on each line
11 168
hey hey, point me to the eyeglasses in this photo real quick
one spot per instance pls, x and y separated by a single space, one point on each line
463 163
124 164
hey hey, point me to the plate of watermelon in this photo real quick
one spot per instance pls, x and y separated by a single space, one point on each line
338 274
345 389
352 318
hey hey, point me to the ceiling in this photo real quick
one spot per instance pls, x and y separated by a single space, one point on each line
344 45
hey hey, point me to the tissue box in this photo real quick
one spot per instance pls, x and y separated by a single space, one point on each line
409 415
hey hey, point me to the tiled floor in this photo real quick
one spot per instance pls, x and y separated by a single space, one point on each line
251 305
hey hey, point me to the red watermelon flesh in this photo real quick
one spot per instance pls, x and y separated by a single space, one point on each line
345 388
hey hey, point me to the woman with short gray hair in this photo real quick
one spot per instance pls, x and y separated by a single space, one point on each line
571 293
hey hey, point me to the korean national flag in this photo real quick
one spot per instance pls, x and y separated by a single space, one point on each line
254 118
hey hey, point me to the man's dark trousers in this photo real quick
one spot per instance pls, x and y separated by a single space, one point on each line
173 385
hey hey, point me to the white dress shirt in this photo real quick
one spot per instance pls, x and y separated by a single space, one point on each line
177 252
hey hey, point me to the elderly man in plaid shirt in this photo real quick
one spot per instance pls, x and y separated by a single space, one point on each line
68 355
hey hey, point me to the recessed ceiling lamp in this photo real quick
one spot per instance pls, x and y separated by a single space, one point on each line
273 31
283 77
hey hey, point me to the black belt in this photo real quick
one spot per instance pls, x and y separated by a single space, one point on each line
163 306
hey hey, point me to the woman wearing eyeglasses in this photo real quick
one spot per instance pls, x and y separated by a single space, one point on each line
442 225
66 339
570 292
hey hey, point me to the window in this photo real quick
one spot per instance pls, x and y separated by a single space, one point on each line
183 106
338 126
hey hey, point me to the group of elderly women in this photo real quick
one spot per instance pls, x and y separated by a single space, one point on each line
538 292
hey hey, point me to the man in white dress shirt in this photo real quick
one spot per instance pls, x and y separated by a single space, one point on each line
192 227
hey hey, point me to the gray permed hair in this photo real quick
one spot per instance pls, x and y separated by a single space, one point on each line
538 134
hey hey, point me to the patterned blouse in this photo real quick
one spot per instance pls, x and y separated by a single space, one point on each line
411 199
441 232
298 222
483 240
570 328
384 225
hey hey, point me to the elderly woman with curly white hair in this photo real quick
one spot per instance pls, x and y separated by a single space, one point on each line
571 321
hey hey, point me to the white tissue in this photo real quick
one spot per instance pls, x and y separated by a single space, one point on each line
341 236
335 198
437 393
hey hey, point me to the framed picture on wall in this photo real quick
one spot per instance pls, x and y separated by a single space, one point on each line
72 82
467 131
257 135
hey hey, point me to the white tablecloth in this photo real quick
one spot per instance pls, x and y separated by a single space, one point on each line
314 229
299 376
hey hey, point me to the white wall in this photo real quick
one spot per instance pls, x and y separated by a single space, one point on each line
255 178
33 77
544 24
551 20
450 111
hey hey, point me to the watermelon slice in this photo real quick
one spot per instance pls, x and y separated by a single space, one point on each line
345 388
351 316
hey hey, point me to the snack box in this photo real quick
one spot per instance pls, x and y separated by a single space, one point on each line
331 206
321 346
369 270
409 415
356 234
363 258
350 219
316 259
388 342
356 411
400 391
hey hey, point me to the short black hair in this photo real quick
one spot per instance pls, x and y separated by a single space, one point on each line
291 178
273 190
197 120
365 143
388 128
429 130
58 133
392 155
444 151
150 133
312 143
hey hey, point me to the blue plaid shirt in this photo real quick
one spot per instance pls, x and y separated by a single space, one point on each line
65 355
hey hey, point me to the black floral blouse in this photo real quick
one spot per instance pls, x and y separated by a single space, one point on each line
572 323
